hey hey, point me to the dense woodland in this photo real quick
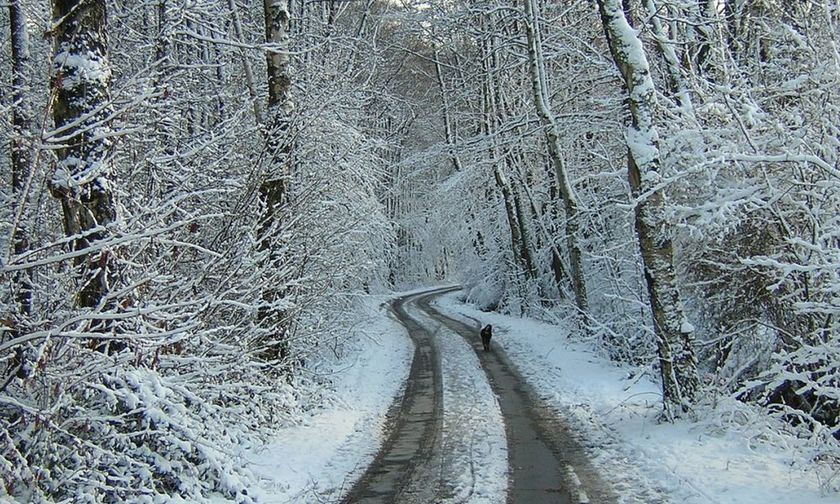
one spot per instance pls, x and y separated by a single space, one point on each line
195 192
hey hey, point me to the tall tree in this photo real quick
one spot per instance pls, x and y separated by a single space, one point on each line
83 180
20 144
674 335
274 187
552 137
449 133
493 116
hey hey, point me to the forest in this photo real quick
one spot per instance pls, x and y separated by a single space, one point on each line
196 194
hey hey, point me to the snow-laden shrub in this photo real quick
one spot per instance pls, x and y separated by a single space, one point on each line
806 449
803 387
486 294
132 434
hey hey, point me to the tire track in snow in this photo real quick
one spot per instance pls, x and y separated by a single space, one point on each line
473 444
407 468
446 443
545 463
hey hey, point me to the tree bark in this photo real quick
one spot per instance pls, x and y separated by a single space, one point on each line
275 185
274 188
450 139
20 147
277 56
674 335
83 178
552 136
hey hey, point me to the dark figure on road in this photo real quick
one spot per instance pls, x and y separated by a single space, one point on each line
486 334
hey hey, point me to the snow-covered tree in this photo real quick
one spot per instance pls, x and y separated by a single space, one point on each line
172 141
21 152
84 180
552 132
674 334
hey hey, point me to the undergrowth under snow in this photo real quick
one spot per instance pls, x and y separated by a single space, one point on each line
321 454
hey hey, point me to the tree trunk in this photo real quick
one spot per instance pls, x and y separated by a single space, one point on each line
274 188
548 235
275 185
20 147
527 245
277 56
491 119
674 335
447 119
83 178
675 79
510 211
552 136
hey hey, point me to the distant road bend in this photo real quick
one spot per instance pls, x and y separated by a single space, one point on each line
545 463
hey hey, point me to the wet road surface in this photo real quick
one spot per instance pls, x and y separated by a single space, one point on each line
404 470
546 465
536 475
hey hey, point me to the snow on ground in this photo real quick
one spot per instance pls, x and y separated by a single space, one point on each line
616 409
320 459
474 445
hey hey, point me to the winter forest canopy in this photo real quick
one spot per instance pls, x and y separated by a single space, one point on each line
195 193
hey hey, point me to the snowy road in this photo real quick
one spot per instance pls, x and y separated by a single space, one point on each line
404 470
465 442
547 463
469 429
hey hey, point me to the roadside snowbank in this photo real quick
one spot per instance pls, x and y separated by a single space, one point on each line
616 410
319 459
